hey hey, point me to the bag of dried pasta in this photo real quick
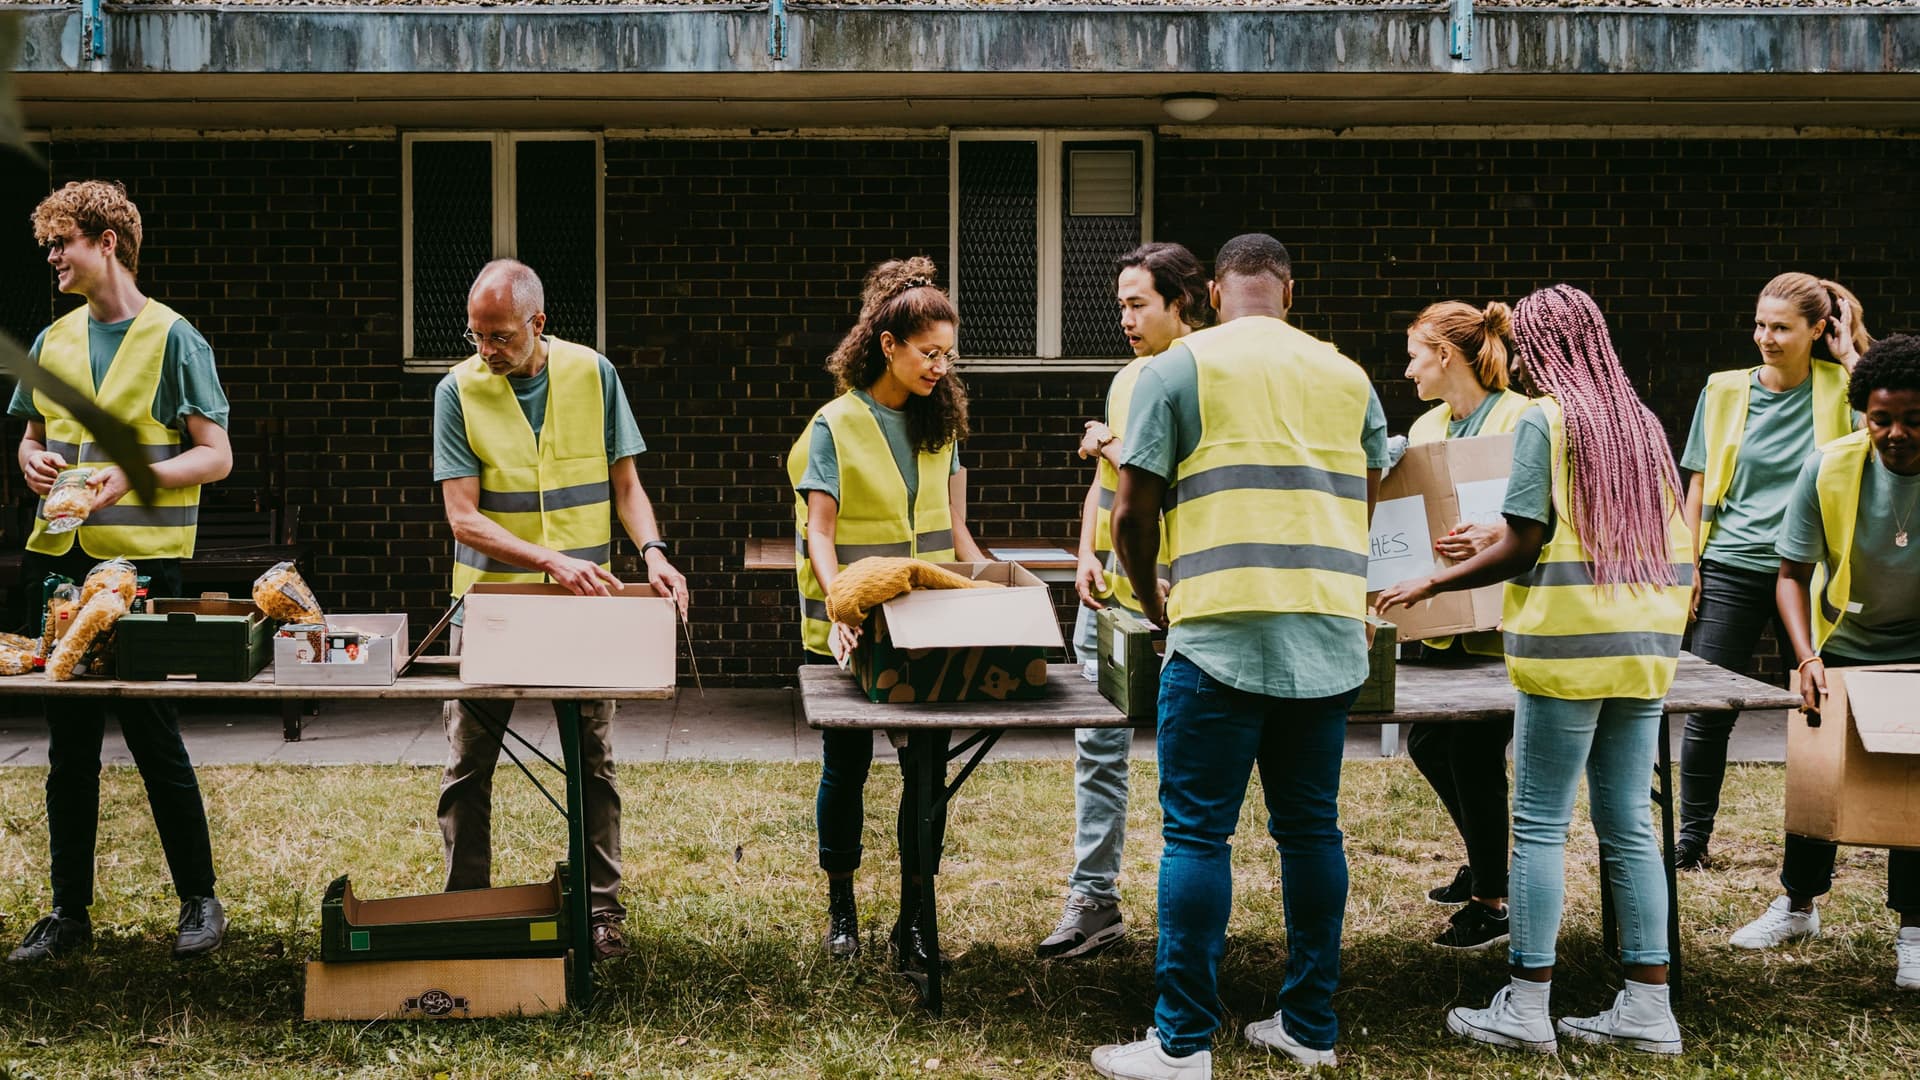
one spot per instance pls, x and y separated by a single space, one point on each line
114 575
70 500
63 601
19 643
95 619
15 661
283 594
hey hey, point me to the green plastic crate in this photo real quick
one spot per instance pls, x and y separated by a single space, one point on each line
1129 664
518 921
214 640
1376 694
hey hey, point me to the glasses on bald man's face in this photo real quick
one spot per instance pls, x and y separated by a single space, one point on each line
498 340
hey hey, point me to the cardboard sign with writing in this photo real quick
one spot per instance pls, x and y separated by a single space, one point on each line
1435 487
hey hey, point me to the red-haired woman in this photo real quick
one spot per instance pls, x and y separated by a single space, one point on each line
875 472
1600 562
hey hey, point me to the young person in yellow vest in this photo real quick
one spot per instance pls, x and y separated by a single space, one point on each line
1599 565
1162 291
1850 595
1457 355
1261 447
1752 429
533 448
875 472
143 364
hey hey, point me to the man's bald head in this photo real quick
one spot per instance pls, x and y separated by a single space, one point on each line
506 314
508 286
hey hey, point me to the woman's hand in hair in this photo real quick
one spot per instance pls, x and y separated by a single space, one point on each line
1839 336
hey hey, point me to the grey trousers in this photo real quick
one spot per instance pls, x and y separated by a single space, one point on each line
466 796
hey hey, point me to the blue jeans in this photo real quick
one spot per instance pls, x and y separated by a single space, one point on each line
1614 741
1211 737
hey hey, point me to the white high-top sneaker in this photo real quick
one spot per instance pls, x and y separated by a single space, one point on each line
1517 1018
1906 947
1778 926
1641 1019
1145 1060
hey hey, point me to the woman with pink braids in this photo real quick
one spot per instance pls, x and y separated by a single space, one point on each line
1599 565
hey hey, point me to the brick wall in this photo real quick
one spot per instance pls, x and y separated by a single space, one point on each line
733 266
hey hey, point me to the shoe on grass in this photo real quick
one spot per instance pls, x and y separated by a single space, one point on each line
203 926
1474 928
1086 926
843 920
1906 949
1147 1060
1508 1021
1457 891
1691 855
1271 1034
1778 926
609 942
1641 1019
54 936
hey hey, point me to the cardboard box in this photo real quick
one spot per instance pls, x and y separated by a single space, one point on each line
543 635
472 924
1855 778
435 989
1130 663
1377 693
1435 487
944 645
375 662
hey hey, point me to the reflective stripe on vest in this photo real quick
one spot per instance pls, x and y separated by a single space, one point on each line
162 529
552 491
1269 511
1725 418
1566 637
1119 586
1508 407
872 516
1843 464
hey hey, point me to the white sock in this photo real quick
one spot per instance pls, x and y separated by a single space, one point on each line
1529 998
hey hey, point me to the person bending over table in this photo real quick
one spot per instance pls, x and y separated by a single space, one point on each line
1851 518
1600 560
876 472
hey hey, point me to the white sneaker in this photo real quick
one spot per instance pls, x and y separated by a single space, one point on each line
1778 926
1144 1060
1638 1020
1906 946
1501 1023
1271 1034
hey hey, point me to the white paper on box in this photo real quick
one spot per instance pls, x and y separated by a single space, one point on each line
1481 500
1400 545
1883 713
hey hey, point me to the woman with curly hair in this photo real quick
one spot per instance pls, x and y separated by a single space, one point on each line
875 472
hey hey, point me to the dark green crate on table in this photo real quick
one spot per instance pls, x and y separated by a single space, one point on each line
207 639
1376 694
1129 664
513 922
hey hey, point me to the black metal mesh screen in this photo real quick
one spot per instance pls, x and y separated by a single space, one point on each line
1089 319
997 267
26 289
452 239
555 201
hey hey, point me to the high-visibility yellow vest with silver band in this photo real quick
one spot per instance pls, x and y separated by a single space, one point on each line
1269 512
1843 464
162 529
872 519
552 490
1726 425
1508 407
1569 638
1119 586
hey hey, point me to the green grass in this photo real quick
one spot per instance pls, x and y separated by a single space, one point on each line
727 979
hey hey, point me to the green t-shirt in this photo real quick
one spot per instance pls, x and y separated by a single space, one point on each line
189 385
1278 654
1530 481
823 460
1777 438
453 455
1886 577
1474 422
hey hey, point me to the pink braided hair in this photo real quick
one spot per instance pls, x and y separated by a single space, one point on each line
1622 468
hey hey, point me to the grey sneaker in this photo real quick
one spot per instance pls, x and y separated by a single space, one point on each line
203 926
54 935
1086 926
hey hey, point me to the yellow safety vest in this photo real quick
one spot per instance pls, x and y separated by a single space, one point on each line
1843 464
162 529
872 519
552 490
1567 637
1726 426
1508 407
1119 586
1269 511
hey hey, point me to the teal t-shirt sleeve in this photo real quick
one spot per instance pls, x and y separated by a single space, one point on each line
1374 437
623 435
453 456
1803 537
189 385
22 403
1153 418
1530 483
1694 458
823 463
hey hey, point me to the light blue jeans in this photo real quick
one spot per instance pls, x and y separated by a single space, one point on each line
1099 790
1614 741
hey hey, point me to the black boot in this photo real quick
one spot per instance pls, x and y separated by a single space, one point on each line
909 938
843 919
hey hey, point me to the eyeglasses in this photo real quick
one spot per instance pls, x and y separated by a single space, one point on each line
935 356
497 340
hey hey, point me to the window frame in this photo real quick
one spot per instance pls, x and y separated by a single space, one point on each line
1049 226
506 225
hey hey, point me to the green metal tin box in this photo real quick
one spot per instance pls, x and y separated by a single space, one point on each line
211 639
475 924
1376 694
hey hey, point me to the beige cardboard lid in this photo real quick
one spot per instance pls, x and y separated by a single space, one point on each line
1883 709
1019 614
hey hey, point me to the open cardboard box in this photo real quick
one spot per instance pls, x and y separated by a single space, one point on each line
435 989
943 645
376 664
543 635
1435 487
1855 778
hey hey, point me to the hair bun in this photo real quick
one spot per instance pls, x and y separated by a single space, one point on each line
1497 320
893 277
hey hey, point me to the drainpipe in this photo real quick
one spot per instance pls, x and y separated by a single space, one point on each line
776 29
93 31
1461 37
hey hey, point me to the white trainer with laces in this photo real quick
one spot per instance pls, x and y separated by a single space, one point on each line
1778 926
1641 1019
1145 1060
1271 1034
1906 946
1508 1022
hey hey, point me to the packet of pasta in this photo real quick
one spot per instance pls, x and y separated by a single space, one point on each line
283 594
70 500
94 620
63 600
114 575
15 661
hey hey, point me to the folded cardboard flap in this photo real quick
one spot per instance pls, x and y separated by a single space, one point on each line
516 901
1883 710
1019 614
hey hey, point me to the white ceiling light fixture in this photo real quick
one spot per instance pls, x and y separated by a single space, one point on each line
1190 108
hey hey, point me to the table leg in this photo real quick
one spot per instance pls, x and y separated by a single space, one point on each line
930 768
579 903
1389 739
290 719
1663 797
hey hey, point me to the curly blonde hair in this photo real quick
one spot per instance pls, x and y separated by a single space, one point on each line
900 298
91 207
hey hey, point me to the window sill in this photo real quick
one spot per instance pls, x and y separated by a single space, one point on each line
428 367
1011 365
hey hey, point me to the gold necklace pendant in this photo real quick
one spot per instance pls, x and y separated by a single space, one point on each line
1900 538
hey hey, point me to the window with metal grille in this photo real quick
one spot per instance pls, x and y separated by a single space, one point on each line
470 197
1038 219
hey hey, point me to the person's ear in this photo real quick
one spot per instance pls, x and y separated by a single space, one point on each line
538 324
109 242
887 344
1213 295
1286 295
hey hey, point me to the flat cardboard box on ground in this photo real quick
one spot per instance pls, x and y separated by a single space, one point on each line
1435 487
543 635
435 989
946 645
378 664
1855 779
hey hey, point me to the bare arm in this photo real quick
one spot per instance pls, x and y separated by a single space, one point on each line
1513 553
1792 593
636 513
479 532
1088 576
38 464
1136 537
1696 499
964 548
207 461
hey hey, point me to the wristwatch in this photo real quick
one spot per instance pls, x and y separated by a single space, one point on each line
651 544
